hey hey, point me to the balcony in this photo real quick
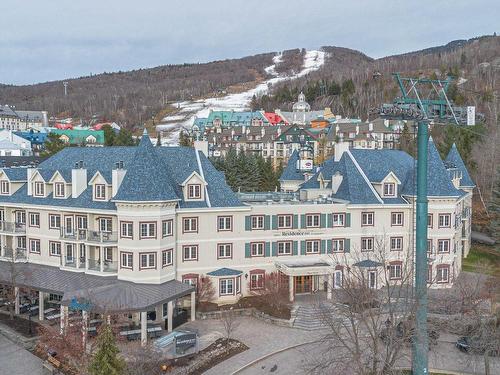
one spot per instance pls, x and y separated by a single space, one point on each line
17 254
108 266
86 235
12 228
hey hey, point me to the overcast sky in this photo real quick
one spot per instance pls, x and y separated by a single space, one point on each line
55 39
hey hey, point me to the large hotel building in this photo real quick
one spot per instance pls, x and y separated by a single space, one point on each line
137 228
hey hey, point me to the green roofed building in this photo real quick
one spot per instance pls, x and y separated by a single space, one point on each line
80 136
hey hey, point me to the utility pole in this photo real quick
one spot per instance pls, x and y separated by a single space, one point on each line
65 84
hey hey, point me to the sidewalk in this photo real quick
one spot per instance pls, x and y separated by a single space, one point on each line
16 360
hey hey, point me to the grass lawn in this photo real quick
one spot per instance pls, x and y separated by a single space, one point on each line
483 259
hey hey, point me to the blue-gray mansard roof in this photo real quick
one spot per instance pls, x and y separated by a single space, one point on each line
290 172
152 174
455 159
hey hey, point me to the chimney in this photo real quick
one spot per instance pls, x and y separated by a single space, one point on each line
357 129
243 129
201 146
370 126
117 176
339 150
29 174
336 181
78 179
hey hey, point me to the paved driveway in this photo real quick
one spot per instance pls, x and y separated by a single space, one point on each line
18 361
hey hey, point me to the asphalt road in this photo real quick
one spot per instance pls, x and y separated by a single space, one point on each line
15 360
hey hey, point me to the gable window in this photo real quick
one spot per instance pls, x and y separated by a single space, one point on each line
338 220
148 230
389 189
395 271
257 249
367 244
190 225
367 219
55 248
443 246
99 192
127 260
194 191
59 190
257 222
396 243
166 258
190 252
39 189
444 220
34 219
54 221
127 229
224 250
429 220
105 224
285 248
443 273
284 221
4 187
338 245
224 223
147 260
312 221
226 287
397 219
35 246
256 280
167 228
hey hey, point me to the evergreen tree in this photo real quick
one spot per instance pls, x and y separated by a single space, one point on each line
109 135
495 209
406 141
185 140
124 138
106 360
53 145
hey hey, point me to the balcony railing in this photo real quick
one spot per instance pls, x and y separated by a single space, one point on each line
88 235
108 266
10 227
18 254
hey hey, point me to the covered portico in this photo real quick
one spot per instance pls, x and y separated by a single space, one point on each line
307 275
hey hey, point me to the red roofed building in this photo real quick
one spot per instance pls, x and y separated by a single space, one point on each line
275 119
63 126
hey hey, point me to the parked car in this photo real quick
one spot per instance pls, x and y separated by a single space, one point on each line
470 345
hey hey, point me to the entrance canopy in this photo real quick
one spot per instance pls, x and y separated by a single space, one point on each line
312 266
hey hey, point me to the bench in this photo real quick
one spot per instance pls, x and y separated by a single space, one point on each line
52 365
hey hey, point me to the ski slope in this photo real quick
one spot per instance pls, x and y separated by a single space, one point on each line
189 110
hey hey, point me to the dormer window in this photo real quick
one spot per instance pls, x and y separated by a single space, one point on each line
59 190
389 189
39 189
100 192
4 187
194 191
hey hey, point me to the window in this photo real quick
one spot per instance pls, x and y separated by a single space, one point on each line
429 274
429 246
59 190
4 187
99 192
444 220
367 244
238 285
224 223
256 280
397 219
443 273
257 249
20 217
429 220
166 257
127 260
367 218
190 225
105 224
389 189
312 247
127 229
443 246
338 220
285 221
148 260
285 248
2 215
226 287
190 279
167 228
81 222
54 221
108 254
34 219
190 252
224 250
148 230
39 189
395 271
338 246
21 242
55 248
312 221
194 191
35 246
396 243
257 222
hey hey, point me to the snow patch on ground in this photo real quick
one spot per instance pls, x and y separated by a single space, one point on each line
189 110
461 81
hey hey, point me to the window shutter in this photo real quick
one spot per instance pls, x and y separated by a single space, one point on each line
329 246
347 245
322 220
329 221
267 220
302 221
248 223
248 254
295 220
303 247
348 220
267 249
275 222
295 249
275 249
323 247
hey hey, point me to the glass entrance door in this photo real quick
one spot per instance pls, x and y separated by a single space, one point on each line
303 284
